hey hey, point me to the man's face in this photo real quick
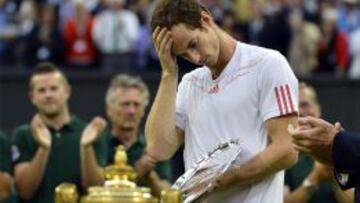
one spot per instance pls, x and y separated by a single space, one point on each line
308 107
50 93
199 46
126 109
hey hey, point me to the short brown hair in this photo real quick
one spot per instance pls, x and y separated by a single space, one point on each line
45 68
168 13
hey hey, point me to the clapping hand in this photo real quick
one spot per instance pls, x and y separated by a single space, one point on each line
40 132
92 131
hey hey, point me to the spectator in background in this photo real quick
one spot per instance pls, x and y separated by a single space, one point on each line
115 33
55 138
126 100
229 24
256 23
333 51
27 22
216 8
79 47
143 48
8 33
354 71
304 41
241 9
44 42
348 16
310 181
141 8
66 9
5 168
276 33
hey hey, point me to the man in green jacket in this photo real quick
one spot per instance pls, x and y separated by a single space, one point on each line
126 101
56 146
5 168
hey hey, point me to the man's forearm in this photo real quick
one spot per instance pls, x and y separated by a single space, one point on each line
160 127
270 161
91 173
29 177
5 186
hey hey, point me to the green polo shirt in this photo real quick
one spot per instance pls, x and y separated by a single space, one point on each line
64 161
134 153
296 175
5 154
5 161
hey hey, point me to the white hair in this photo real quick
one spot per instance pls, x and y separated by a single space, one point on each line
126 82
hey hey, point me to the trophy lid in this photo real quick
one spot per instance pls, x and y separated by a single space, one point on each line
120 170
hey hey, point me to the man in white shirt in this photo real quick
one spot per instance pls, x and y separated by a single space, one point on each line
115 33
242 92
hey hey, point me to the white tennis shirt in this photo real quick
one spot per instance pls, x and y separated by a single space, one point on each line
257 84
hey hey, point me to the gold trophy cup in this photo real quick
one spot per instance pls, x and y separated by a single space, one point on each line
119 187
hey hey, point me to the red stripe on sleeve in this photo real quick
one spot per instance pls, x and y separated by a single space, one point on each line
284 99
278 101
290 98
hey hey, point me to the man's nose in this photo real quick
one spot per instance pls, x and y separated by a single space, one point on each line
195 57
132 109
49 94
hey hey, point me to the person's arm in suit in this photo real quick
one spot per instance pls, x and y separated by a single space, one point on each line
346 151
346 159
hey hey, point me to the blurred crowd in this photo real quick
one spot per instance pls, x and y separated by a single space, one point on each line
317 36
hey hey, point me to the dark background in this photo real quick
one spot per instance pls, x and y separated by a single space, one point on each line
339 98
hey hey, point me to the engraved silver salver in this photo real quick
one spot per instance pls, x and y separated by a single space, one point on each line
200 178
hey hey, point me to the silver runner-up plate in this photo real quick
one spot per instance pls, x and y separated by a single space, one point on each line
200 178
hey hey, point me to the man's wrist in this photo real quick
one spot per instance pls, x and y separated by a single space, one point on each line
166 74
86 145
44 146
152 157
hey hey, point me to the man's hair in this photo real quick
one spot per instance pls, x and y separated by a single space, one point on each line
311 90
168 13
45 68
126 82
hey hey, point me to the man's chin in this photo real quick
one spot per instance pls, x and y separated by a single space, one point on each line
50 114
128 128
